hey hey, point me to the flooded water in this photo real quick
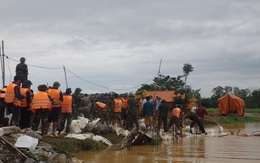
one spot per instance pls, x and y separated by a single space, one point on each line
230 148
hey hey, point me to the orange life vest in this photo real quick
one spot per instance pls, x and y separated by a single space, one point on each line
124 103
118 105
10 95
101 105
41 101
24 100
55 94
66 106
176 112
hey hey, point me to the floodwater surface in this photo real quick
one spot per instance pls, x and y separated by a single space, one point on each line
231 148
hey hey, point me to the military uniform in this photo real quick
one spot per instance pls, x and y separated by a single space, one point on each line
22 70
77 102
107 113
132 114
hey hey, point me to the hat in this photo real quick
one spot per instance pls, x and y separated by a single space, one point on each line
78 90
27 83
56 85
68 90
43 87
22 59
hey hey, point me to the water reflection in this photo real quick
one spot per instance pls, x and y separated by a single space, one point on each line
231 148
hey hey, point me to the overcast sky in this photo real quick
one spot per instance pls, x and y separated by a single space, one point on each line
117 45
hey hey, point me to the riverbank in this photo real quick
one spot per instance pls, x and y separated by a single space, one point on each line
251 115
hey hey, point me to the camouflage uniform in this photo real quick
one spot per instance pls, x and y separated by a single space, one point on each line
77 102
40 115
132 114
22 70
86 107
107 113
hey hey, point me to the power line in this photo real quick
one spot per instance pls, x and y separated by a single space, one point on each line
97 85
104 86
35 65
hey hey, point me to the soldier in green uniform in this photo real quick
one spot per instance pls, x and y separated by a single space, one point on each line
77 102
132 114
22 70
108 111
86 106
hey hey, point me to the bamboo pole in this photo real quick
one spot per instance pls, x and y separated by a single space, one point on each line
13 147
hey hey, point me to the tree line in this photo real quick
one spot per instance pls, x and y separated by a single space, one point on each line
251 98
166 82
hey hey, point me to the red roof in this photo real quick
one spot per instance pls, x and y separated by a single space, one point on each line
165 95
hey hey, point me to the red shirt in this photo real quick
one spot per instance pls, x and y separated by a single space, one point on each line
202 112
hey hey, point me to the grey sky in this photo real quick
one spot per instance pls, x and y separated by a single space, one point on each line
118 44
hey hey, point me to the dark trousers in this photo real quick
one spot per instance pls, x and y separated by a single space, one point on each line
164 120
2 112
176 121
124 115
197 121
64 117
25 117
16 116
130 121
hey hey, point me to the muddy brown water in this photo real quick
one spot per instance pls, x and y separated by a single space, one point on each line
230 148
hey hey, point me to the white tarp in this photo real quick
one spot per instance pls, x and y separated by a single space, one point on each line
91 136
25 141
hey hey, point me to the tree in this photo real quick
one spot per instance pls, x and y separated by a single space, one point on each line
187 68
228 89
218 92
163 83
256 97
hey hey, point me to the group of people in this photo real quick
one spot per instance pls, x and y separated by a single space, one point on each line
28 109
51 106
121 110
158 111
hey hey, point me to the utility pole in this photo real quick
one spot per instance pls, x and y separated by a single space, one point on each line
3 63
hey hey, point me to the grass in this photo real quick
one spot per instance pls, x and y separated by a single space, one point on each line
247 110
67 146
232 118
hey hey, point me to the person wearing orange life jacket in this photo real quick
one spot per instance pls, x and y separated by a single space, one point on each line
117 107
176 118
25 104
67 108
55 113
40 106
2 105
124 108
13 99
101 108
